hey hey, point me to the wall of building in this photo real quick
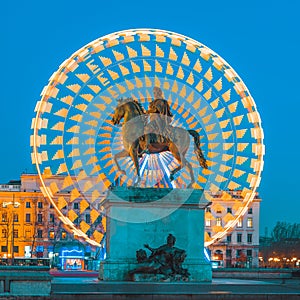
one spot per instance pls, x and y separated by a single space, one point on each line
240 246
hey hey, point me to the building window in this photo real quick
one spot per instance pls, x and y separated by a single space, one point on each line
218 221
240 223
51 217
249 238
228 252
4 233
63 235
27 205
249 253
16 218
3 248
250 210
16 233
239 252
40 218
40 204
4 217
229 210
39 233
87 218
51 205
27 218
250 222
16 249
207 223
51 234
27 234
228 238
76 205
239 238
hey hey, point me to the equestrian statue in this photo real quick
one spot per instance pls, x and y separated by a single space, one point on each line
151 132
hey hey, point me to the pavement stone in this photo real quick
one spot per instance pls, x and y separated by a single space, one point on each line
67 288
217 289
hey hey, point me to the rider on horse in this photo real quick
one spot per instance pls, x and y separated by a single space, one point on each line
133 128
160 119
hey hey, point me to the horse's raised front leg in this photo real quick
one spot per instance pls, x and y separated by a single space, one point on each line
119 155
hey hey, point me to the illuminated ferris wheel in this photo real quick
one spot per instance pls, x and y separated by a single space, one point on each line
74 139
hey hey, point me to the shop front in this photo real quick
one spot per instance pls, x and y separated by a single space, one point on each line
71 259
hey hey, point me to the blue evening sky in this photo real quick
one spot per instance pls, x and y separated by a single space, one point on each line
260 39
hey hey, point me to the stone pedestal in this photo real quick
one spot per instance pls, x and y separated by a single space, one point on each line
138 216
31 281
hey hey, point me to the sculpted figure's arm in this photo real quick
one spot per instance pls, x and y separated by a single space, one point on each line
158 250
150 248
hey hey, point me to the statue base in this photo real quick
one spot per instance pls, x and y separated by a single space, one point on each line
138 216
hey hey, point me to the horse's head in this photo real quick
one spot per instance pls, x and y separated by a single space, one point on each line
119 112
127 108
118 115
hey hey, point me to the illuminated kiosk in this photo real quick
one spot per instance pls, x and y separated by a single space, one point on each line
72 259
183 211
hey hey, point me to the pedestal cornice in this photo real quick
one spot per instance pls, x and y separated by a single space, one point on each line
155 197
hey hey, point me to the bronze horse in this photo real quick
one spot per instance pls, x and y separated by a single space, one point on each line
135 121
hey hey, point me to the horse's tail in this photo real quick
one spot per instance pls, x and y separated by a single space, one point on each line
197 148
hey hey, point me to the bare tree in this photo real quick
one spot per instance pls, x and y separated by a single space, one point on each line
7 228
284 230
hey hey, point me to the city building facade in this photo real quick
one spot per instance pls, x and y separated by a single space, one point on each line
240 246
30 227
